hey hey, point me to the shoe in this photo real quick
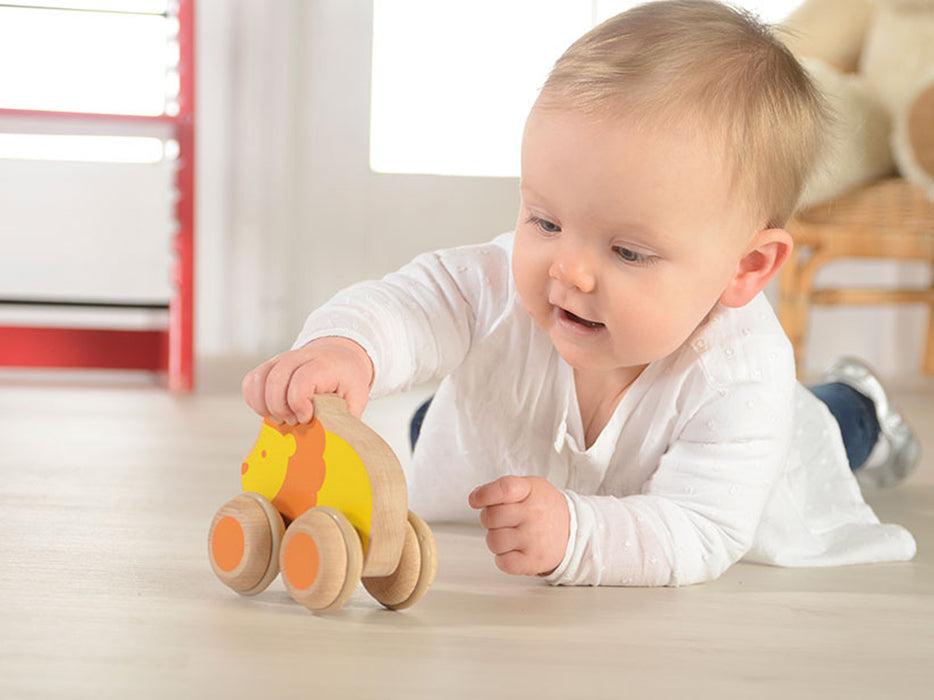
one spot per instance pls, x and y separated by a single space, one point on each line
904 450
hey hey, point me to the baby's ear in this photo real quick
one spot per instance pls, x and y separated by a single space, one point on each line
762 261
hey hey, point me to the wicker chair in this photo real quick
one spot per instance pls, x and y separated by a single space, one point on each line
888 219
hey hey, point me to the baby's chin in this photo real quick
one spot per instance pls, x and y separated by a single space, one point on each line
625 361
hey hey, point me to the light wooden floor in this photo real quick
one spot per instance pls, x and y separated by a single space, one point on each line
105 589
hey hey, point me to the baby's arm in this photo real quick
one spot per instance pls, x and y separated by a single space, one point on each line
282 388
699 512
381 336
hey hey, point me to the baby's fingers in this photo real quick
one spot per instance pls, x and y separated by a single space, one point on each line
517 563
502 515
278 381
306 381
503 540
253 388
506 489
356 397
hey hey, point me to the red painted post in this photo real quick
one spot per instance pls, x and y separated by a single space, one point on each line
181 307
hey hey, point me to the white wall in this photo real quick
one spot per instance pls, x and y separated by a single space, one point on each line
290 211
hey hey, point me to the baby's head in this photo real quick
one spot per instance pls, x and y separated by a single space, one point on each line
705 68
665 152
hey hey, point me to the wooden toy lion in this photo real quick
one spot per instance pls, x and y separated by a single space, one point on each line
325 504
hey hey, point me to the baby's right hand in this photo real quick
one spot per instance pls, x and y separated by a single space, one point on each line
282 388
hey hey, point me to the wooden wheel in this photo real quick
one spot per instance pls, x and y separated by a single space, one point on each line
243 543
415 572
321 559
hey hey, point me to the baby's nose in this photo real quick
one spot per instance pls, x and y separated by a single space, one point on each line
243 468
574 273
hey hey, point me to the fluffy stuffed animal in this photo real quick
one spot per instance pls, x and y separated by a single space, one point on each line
874 60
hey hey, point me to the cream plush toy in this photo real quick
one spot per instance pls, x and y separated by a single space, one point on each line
874 60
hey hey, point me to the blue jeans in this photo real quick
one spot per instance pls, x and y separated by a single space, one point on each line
415 427
855 414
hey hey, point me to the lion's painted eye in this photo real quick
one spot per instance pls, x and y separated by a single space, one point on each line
263 454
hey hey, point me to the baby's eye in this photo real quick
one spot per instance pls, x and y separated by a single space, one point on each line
548 227
543 224
630 256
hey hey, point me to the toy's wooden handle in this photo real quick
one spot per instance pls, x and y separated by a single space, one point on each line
387 482
330 404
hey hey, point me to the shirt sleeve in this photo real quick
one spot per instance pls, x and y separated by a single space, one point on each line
417 323
699 512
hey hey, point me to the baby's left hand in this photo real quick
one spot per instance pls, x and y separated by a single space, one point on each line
527 522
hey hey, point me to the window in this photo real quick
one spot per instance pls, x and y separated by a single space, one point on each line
452 83
92 56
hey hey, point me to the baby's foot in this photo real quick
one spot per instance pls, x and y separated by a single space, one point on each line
901 451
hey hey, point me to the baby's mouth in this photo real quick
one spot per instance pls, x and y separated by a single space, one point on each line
580 321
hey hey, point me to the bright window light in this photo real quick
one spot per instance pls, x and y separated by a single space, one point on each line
452 83
88 149
112 59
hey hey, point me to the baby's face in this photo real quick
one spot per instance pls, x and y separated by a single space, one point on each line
625 240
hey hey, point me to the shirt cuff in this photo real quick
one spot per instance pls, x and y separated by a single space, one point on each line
554 578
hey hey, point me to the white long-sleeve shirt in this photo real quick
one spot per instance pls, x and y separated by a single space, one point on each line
715 453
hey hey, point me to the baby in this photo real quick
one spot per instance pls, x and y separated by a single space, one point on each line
618 400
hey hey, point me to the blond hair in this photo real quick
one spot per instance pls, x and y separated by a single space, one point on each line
709 67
